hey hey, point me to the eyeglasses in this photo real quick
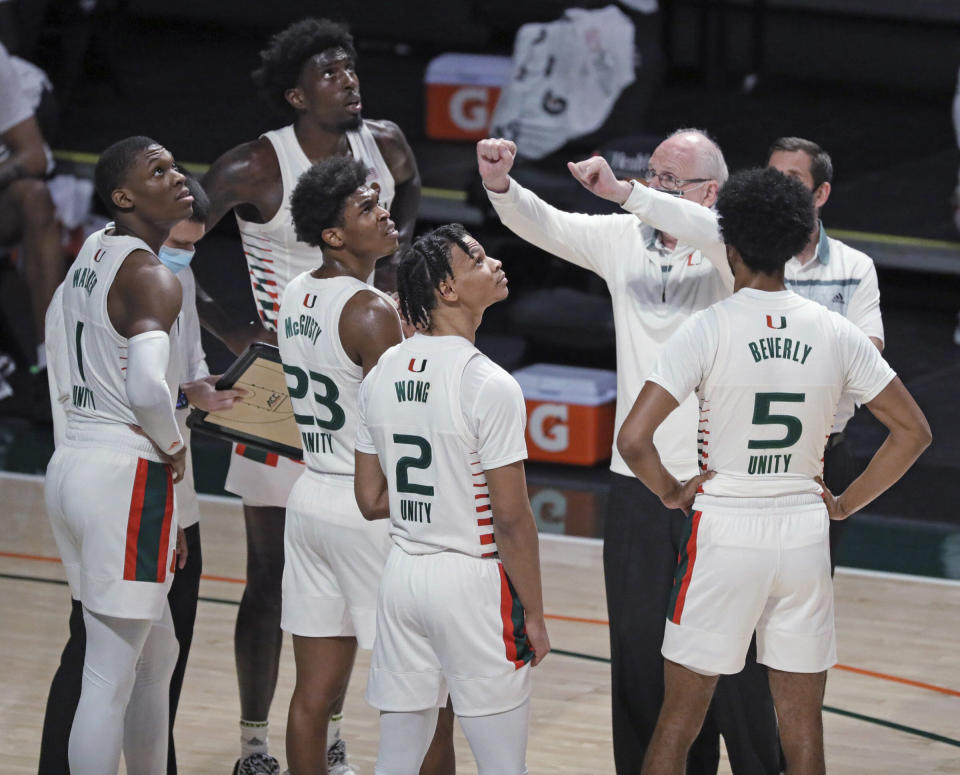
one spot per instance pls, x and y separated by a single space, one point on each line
669 181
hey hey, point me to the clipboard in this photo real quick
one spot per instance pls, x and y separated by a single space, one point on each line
264 417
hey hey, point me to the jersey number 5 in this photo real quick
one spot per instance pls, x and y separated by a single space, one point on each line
328 399
762 416
404 464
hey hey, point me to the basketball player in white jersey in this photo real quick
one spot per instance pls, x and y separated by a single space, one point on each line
109 485
308 76
769 368
440 452
196 388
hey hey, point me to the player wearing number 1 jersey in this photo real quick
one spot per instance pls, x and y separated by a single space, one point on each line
768 368
440 451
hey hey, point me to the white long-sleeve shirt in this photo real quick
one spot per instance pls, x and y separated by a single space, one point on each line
653 291
839 277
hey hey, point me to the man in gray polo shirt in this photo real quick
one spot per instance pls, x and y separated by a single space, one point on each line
656 282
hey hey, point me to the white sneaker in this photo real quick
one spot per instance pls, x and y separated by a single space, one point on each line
337 763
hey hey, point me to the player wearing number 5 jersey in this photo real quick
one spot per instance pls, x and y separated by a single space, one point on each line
768 368
440 451
331 330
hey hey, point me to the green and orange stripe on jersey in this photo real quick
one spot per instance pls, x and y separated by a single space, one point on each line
514 628
685 561
148 526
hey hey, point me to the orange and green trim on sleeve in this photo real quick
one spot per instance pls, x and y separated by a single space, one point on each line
685 561
149 523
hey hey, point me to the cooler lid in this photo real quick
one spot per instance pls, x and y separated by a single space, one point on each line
567 384
469 69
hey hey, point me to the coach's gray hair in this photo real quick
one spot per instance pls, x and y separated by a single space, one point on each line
712 164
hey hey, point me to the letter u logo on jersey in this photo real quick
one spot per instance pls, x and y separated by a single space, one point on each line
309 300
413 363
98 255
783 322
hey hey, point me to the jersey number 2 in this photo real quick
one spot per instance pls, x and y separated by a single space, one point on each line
404 464
762 416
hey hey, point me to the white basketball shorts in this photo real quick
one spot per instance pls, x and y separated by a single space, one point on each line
753 564
448 621
261 478
112 515
333 560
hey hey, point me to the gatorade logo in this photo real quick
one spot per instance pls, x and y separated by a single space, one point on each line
548 427
549 506
470 108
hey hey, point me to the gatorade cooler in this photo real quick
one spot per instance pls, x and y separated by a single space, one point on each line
462 92
570 412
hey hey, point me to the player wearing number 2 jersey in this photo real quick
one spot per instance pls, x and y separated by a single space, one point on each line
440 452
768 368
331 330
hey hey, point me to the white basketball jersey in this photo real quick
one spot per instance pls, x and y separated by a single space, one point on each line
274 254
769 369
413 418
97 354
322 380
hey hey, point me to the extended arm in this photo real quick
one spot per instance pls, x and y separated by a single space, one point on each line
635 444
691 223
589 241
518 545
909 436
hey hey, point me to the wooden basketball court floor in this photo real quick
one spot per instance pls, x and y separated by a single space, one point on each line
892 705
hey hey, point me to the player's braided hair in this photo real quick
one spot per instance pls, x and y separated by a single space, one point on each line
423 266
288 51
767 216
320 195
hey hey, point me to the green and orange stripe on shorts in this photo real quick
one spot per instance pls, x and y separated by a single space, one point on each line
148 526
686 558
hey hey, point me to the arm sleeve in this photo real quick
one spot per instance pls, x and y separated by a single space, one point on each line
864 309
364 442
585 240
499 415
687 356
692 224
867 373
149 394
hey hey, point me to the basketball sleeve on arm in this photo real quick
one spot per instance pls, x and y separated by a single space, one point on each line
148 392
867 373
589 241
687 356
499 417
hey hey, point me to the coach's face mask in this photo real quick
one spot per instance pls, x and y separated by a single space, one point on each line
175 259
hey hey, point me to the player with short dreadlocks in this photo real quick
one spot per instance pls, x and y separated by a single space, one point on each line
439 451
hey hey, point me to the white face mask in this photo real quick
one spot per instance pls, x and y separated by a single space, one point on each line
175 259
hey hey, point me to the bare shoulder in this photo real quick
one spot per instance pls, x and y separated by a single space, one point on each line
144 296
254 161
369 308
395 149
